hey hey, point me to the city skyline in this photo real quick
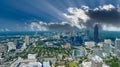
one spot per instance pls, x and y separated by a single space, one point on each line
47 15
59 33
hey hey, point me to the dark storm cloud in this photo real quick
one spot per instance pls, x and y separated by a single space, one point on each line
66 27
63 26
105 16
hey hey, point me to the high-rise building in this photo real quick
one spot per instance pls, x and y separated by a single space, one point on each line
117 43
117 47
96 33
17 44
106 49
27 40
2 48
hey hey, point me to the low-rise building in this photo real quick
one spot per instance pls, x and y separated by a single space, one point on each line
108 41
79 52
118 53
89 64
24 46
46 64
2 48
98 51
96 61
21 61
35 64
90 44
11 46
67 45
100 44
31 56
30 64
86 64
52 60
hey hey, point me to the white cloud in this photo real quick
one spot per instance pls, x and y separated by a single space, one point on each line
110 28
42 23
4 29
105 7
108 7
58 23
77 17
45 26
85 8
34 26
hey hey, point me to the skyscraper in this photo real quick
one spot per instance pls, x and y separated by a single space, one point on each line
117 43
96 33
27 40
117 47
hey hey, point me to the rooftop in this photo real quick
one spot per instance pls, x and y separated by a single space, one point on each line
97 59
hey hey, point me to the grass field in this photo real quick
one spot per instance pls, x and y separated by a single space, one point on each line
72 64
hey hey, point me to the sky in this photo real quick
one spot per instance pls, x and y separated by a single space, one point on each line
44 15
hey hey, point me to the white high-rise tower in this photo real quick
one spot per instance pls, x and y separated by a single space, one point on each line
27 40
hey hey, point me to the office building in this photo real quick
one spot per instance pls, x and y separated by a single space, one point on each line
89 44
2 48
11 46
96 61
96 33
27 40
117 43
79 52
86 64
31 56
106 48
46 64
108 41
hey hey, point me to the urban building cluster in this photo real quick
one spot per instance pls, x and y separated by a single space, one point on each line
59 49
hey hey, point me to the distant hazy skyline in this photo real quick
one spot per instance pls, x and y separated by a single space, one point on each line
43 15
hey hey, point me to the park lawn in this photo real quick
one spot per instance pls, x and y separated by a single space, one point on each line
72 64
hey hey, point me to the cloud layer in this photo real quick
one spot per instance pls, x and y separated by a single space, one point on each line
108 16
74 14
43 26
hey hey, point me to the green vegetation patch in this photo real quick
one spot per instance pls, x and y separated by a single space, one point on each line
72 64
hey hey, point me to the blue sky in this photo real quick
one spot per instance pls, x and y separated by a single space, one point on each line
17 15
